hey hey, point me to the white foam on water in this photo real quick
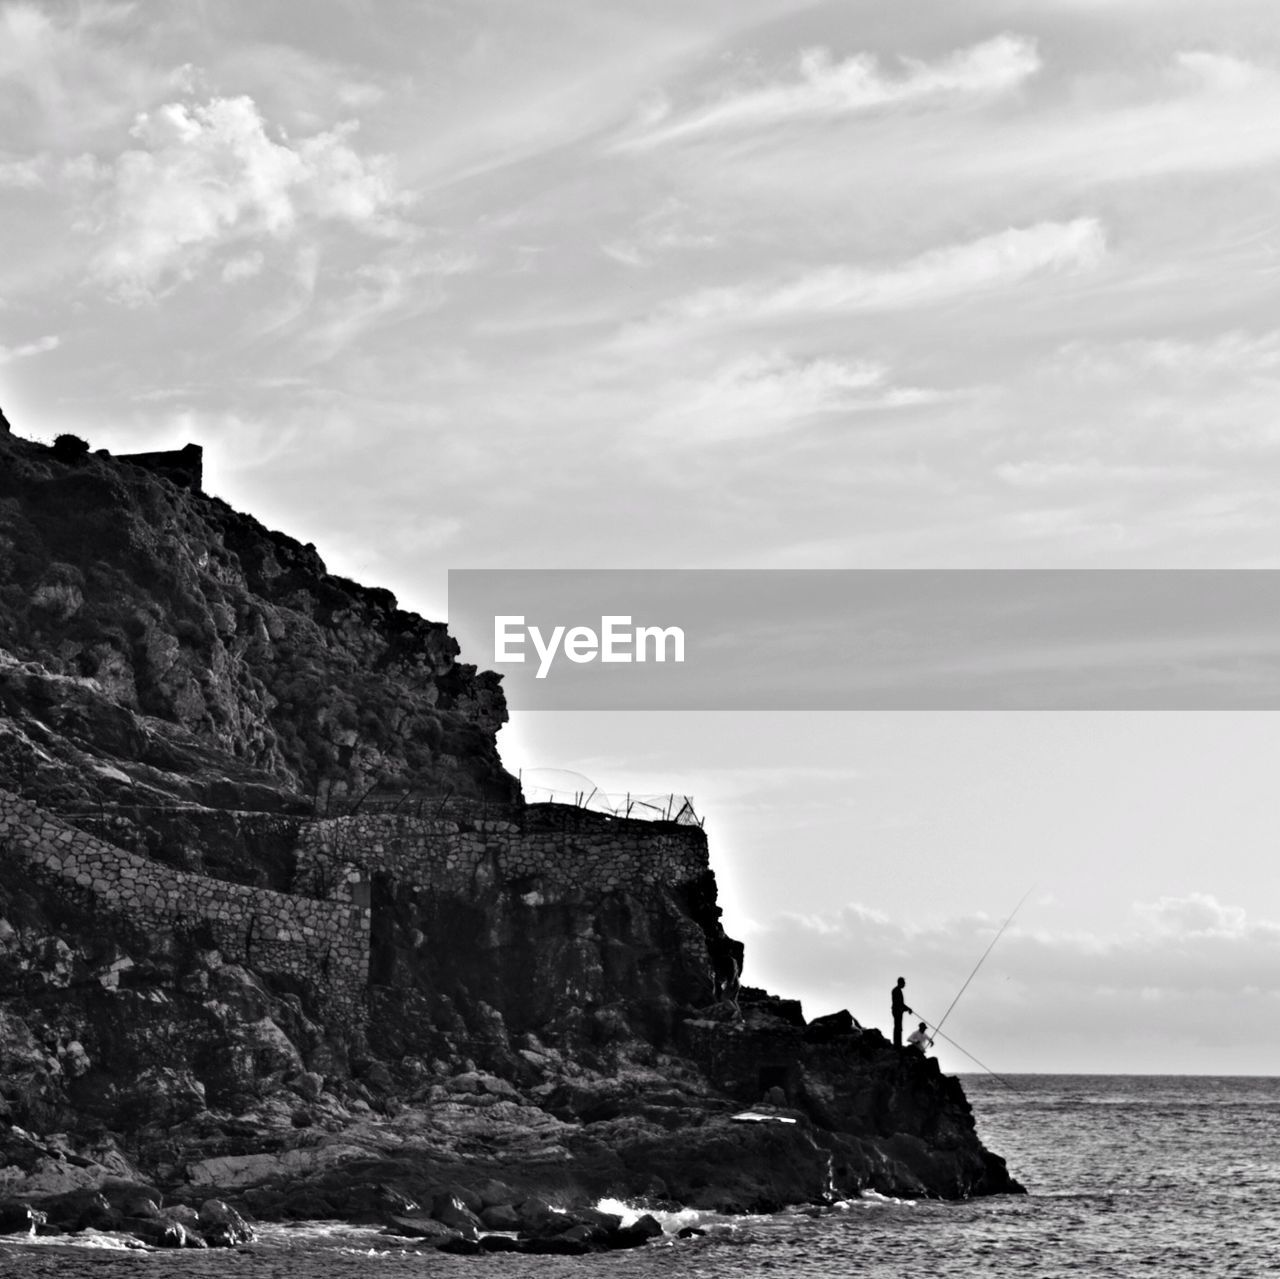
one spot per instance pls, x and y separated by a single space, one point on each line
377 1252
671 1222
870 1197
101 1240
294 1234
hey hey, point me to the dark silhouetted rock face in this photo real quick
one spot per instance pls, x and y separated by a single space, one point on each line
549 1009
154 631
183 467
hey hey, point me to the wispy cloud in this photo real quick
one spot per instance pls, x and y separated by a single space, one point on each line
399 286
209 175
25 349
671 227
73 70
939 275
1210 113
823 88
1237 353
761 395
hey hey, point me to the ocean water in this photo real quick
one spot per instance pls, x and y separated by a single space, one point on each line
1128 1175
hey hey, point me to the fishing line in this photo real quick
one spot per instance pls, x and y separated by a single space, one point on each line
985 953
970 1056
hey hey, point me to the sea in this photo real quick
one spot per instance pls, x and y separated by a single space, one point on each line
1127 1175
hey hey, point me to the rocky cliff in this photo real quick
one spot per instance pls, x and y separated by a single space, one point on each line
278 935
176 650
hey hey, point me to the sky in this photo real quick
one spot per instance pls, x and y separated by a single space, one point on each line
733 284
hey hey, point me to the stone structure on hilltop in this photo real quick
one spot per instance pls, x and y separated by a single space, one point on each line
184 466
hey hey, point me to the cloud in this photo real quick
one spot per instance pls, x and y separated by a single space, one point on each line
25 174
209 175
401 286
21 352
940 275
665 229
1197 916
68 72
1091 473
1235 354
242 268
1172 418
1212 113
1178 971
825 89
764 394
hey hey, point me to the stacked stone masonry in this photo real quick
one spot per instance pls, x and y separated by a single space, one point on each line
320 932
556 845
322 943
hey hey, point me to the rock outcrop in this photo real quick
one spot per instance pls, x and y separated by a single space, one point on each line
176 650
280 938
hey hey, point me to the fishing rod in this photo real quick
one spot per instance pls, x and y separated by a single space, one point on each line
937 1032
981 961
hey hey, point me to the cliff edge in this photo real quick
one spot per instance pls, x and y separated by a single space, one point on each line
279 934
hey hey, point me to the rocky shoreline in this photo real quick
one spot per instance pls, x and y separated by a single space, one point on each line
470 1163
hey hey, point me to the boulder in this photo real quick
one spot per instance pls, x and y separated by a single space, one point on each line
467 1197
493 1192
449 1210
638 1233
572 1243
501 1243
500 1217
647 1225
222 1226
821 1029
536 1215
391 1199
82 1210
426 1229
133 1199
600 1225
461 1246
163 1232
308 1085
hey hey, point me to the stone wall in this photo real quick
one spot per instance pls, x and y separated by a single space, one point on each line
184 466
322 943
552 843
320 932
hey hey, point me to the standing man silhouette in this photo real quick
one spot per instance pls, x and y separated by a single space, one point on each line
899 1004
